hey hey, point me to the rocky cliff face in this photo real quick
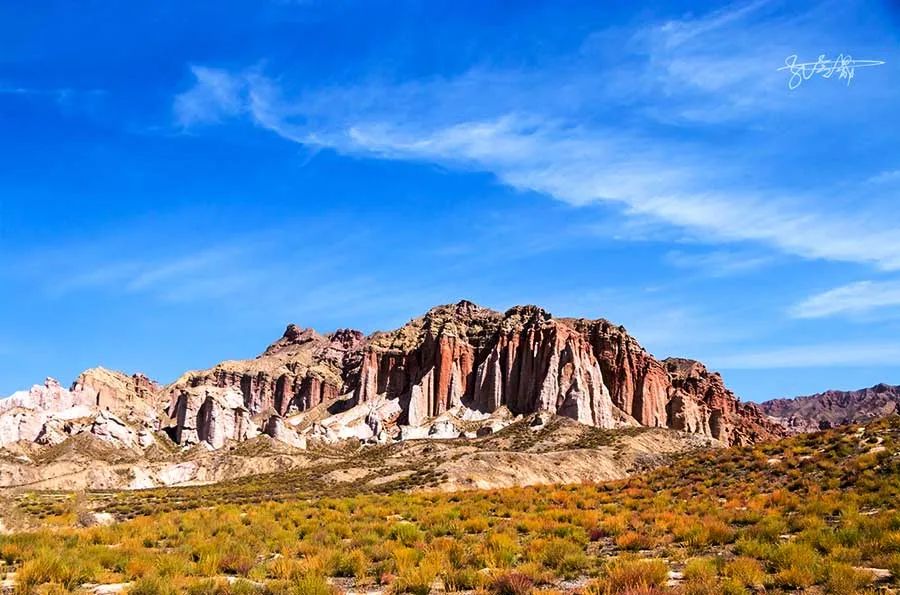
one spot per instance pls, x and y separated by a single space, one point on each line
463 360
301 370
458 370
833 408
463 355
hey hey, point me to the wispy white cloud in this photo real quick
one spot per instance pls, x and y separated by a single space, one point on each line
270 274
855 298
821 355
712 67
679 32
584 166
718 263
69 101
885 177
189 275
191 265
216 95
564 152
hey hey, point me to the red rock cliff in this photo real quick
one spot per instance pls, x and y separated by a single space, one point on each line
461 354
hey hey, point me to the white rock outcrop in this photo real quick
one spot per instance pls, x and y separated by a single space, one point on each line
211 415
281 431
20 425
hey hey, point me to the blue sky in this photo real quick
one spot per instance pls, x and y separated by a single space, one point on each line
182 180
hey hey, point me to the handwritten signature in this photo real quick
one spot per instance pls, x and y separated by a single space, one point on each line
842 66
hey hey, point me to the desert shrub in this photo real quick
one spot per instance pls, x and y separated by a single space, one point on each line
628 576
55 589
221 587
790 555
633 541
753 548
599 588
500 550
561 555
461 579
406 533
417 578
310 584
348 563
795 577
700 569
67 569
846 555
511 583
745 571
843 579
475 525
613 525
245 587
732 587
769 528
11 553
717 531
237 559
700 577
208 587
152 585
284 568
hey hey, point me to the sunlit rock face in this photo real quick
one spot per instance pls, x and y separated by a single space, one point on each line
457 363
48 414
527 361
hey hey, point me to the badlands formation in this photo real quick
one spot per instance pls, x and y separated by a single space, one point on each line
459 373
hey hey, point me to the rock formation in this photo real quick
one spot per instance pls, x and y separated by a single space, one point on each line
48 414
463 357
301 370
700 403
48 398
458 366
212 415
113 391
833 408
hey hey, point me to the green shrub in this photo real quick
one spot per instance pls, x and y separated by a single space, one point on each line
406 533
348 564
563 556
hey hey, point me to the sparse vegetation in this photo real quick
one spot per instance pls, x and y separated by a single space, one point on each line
812 513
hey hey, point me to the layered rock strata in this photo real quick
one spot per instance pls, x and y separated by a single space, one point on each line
440 375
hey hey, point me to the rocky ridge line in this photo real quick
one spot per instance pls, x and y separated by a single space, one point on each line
834 408
459 370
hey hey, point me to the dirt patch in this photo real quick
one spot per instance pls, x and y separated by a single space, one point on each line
346 475
393 477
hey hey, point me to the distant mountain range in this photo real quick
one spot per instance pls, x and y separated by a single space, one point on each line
833 408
